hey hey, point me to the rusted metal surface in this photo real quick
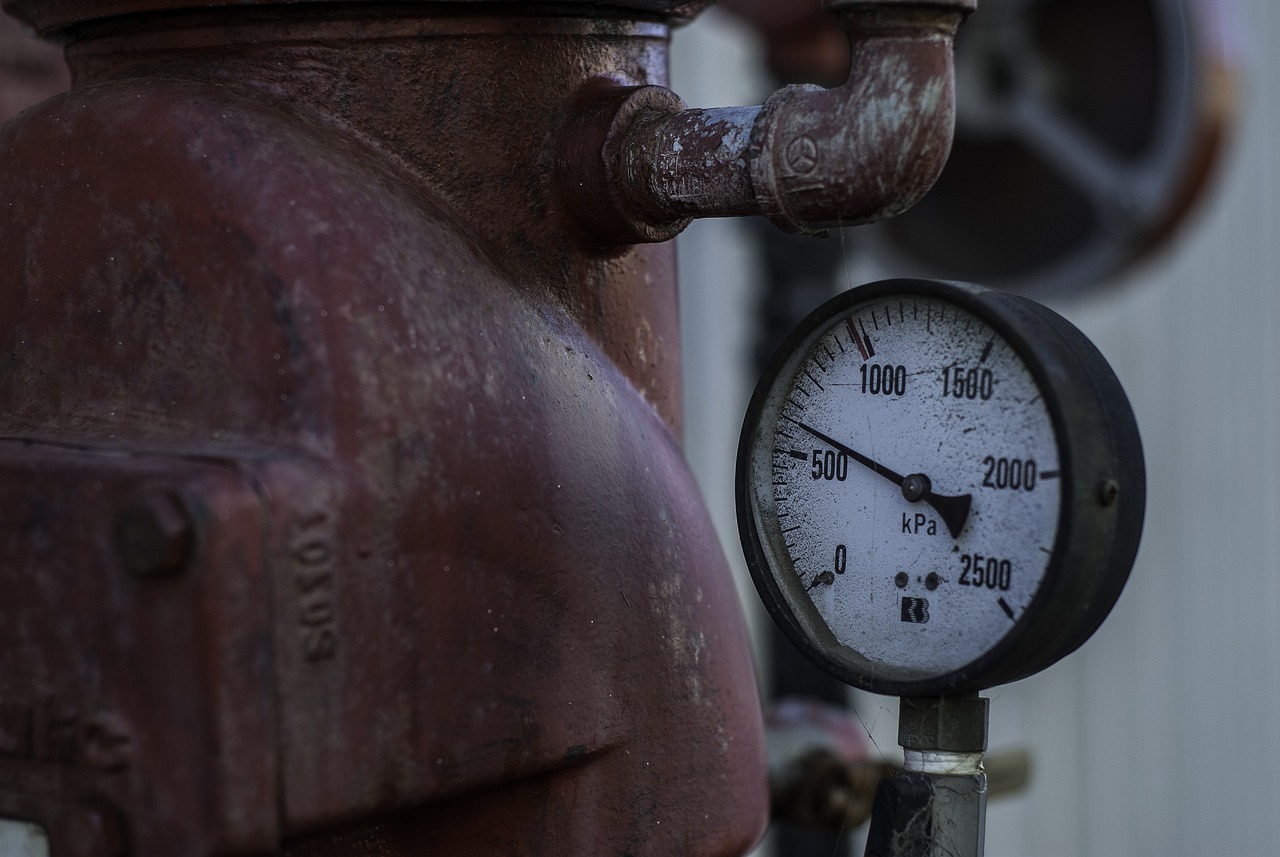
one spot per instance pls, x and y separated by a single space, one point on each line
493 610
132 710
810 158
344 504
820 770
54 15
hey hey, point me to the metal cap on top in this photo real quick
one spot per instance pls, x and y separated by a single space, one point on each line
49 16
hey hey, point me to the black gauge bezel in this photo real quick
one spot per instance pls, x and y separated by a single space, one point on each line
1103 485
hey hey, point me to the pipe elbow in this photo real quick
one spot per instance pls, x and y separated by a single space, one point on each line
809 158
868 150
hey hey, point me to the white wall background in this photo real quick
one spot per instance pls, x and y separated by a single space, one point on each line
1161 737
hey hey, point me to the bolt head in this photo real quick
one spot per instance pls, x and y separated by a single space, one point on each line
155 535
915 487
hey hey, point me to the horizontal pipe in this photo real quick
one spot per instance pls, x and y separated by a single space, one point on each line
809 158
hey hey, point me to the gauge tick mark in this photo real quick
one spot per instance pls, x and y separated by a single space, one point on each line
863 345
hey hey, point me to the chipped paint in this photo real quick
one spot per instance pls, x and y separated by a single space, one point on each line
809 158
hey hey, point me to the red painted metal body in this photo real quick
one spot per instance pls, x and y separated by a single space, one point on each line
343 503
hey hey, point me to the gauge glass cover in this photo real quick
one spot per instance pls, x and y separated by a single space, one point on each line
906 486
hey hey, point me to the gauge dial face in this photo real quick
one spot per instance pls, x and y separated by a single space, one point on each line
905 481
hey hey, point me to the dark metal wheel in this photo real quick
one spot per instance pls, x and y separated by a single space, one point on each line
1086 130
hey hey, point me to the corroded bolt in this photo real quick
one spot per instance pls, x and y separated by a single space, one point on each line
155 535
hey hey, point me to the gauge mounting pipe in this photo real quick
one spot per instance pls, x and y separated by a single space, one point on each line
808 158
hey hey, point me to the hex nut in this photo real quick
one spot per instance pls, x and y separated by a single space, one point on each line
956 724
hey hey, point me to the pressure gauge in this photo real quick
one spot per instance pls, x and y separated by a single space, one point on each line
940 487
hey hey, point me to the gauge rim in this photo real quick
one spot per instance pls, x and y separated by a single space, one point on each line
1038 338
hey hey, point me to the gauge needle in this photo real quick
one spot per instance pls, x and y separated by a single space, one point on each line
916 487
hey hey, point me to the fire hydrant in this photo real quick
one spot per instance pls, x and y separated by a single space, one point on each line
343 505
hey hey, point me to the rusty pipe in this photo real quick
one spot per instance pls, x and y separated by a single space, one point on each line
808 158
